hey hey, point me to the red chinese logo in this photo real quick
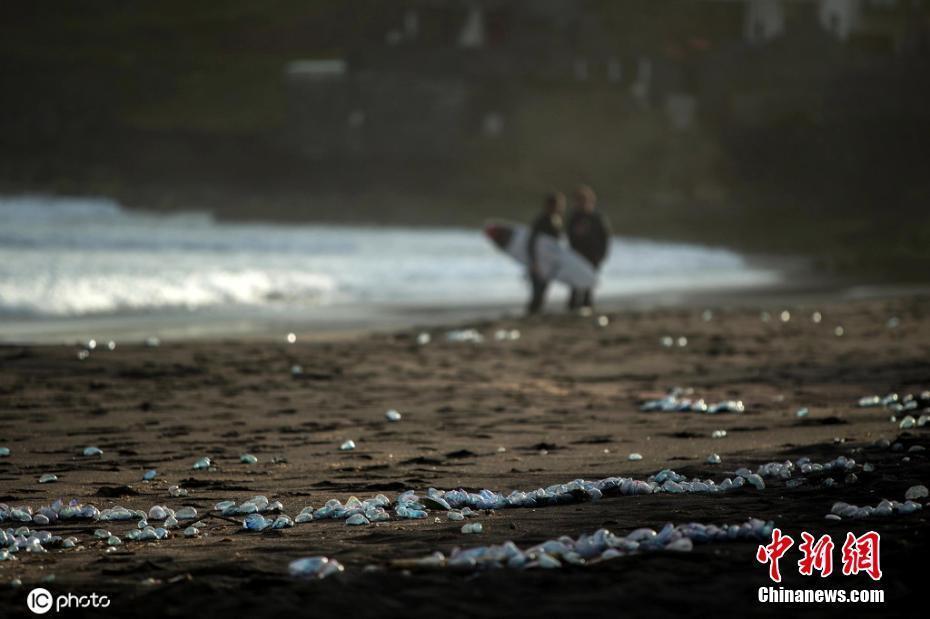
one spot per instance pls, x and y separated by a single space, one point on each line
859 554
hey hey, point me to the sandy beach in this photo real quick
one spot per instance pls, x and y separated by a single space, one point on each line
559 403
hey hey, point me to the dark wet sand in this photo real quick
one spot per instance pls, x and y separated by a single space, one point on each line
563 403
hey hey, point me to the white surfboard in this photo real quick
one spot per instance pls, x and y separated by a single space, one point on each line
557 262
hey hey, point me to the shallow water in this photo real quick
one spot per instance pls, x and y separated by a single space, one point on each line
67 259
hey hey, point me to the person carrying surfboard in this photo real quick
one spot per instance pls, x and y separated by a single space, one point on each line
589 235
548 223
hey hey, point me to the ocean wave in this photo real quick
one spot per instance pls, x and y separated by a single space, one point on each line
83 256
70 295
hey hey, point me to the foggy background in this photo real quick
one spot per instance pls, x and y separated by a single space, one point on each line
764 125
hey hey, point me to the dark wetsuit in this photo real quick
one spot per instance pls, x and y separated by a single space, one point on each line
588 235
548 224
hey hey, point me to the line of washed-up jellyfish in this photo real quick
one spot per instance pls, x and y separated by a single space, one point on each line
674 402
884 509
600 546
260 513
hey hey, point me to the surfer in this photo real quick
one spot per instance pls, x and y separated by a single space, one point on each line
589 235
549 223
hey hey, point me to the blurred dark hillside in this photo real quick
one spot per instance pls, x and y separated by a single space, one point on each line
781 126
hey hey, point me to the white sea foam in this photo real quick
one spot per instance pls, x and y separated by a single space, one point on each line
64 257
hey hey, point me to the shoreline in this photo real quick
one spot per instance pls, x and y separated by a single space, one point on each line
339 322
198 279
